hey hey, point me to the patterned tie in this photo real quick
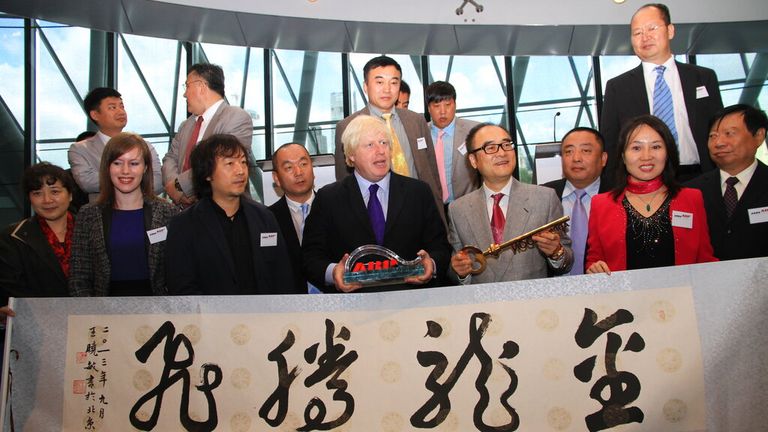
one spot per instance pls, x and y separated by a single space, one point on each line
192 143
440 156
399 164
376 214
304 213
578 232
663 107
730 197
497 220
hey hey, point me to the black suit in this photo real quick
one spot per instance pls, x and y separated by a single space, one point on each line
735 238
626 98
199 260
338 224
283 215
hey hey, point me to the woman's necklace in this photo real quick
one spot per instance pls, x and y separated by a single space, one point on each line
647 203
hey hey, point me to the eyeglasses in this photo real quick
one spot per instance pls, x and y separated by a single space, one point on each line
187 84
491 148
648 29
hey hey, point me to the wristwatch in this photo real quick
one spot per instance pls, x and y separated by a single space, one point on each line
558 253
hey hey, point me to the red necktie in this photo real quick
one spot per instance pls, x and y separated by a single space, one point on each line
192 143
497 220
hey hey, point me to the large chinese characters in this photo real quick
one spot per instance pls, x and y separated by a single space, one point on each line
623 386
440 402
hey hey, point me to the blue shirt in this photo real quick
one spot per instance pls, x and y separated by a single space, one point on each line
127 250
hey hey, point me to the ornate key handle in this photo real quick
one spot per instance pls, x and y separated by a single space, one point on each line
520 243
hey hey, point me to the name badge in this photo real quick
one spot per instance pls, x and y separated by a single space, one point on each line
157 235
758 215
421 143
701 92
268 239
682 219
463 149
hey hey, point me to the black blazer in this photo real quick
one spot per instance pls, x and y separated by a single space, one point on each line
338 224
627 98
735 238
199 261
283 215
559 186
28 266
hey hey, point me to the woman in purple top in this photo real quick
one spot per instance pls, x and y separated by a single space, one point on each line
119 240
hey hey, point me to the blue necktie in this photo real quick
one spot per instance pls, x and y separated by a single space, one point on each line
579 228
663 108
376 214
304 213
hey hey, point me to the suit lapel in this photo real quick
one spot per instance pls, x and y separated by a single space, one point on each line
397 195
637 90
214 122
688 83
516 220
357 204
481 228
31 234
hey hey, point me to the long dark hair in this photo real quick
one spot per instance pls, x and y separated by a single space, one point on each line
673 156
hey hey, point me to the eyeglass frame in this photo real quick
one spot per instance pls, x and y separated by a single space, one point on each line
512 145
648 29
186 85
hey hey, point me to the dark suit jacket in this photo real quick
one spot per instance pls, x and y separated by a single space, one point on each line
338 224
283 215
199 261
627 98
28 267
415 127
735 238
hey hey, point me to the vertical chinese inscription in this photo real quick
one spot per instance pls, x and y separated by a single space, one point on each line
95 361
623 386
440 402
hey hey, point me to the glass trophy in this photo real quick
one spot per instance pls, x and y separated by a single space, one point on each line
373 265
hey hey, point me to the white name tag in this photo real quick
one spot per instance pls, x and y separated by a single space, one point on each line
421 143
758 215
268 239
463 149
682 219
701 92
157 235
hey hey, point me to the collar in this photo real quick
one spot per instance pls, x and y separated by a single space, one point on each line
103 137
648 67
364 184
378 113
591 190
744 176
448 130
296 206
208 114
505 190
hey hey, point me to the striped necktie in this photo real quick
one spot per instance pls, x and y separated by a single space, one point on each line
663 108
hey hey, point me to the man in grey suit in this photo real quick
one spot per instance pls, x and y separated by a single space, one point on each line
413 154
501 209
105 107
457 177
211 114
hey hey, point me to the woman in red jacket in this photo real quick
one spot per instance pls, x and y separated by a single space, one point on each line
647 220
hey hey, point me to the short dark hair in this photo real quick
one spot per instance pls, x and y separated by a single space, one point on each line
662 8
212 74
117 146
439 91
274 155
35 176
203 159
594 132
673 157
754 119
380 61
94 97
85 135
404 87
472 132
